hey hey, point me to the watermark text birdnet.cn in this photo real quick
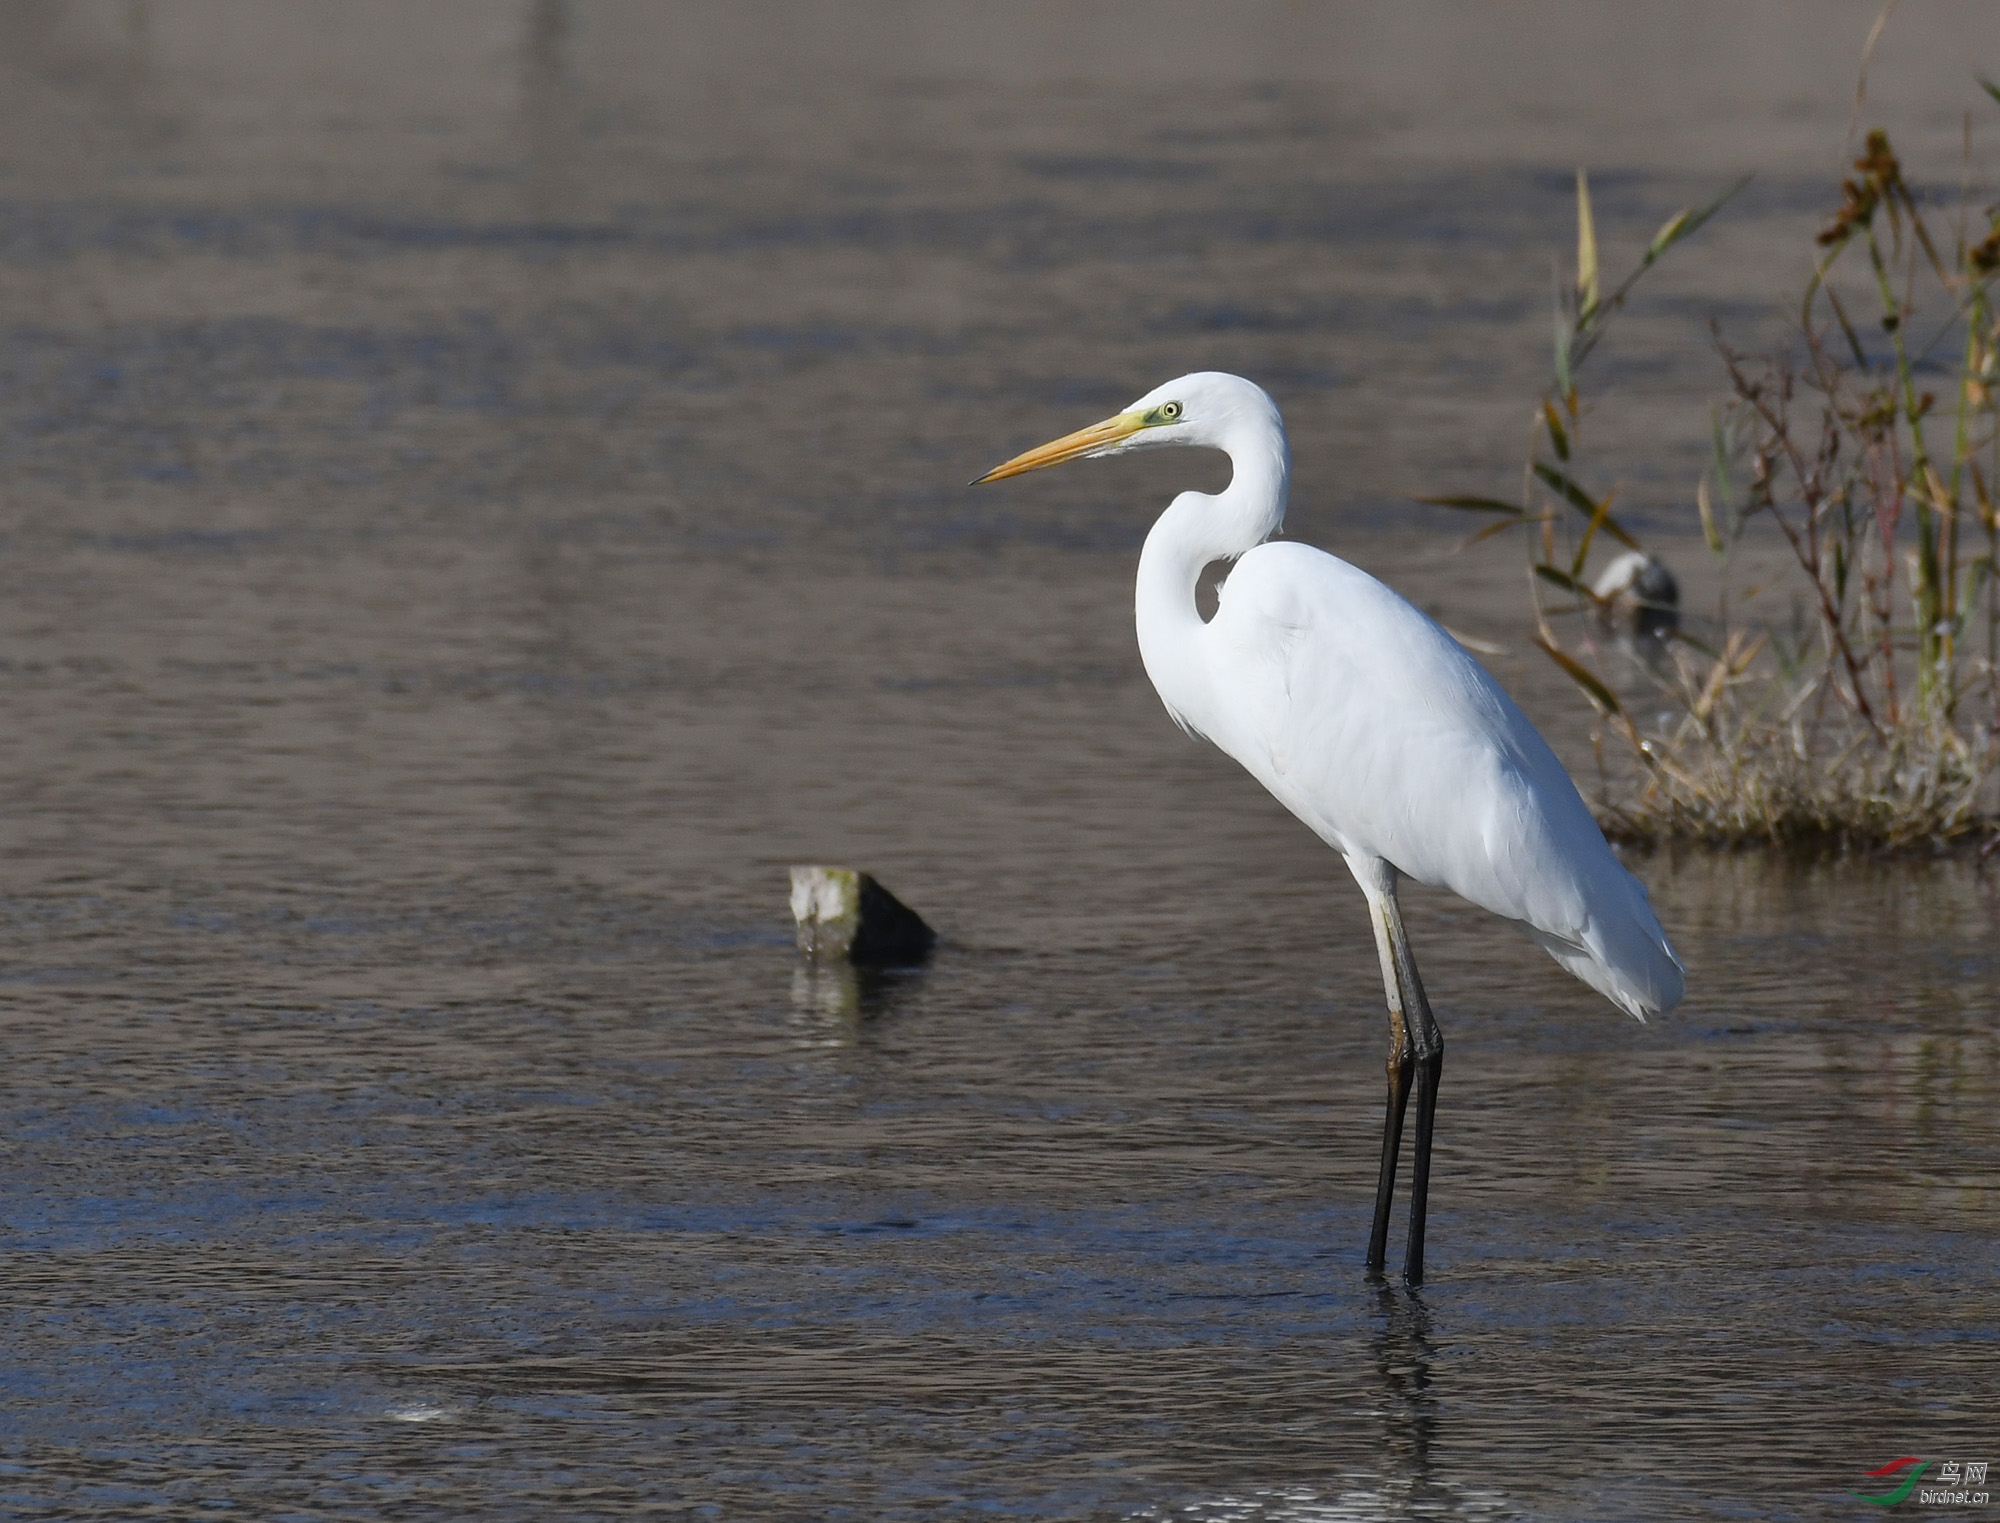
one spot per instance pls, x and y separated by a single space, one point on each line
1928 1483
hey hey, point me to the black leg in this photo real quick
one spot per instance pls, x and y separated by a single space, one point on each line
1427 1043
1416 1051
1430 1068
1400 1064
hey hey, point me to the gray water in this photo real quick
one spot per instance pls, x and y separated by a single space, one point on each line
481 498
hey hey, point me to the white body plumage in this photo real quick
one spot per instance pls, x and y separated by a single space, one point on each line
1382 734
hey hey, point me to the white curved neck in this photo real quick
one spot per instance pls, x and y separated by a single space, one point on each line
1198 528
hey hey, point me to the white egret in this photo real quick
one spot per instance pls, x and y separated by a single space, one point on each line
1378 730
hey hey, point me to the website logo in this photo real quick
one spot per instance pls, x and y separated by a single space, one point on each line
1959 1483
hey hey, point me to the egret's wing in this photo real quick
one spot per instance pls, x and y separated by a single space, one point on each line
1390 740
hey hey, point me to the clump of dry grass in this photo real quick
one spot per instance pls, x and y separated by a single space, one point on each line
1868 717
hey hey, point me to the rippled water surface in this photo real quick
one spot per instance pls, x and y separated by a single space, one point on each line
480 499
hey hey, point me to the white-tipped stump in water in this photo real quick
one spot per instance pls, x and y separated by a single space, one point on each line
1640 595
846 916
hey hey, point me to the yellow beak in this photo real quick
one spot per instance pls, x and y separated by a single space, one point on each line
1068 447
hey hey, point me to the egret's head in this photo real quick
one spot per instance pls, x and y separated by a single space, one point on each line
1207 407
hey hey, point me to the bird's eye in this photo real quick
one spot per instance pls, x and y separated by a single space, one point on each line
1171 411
